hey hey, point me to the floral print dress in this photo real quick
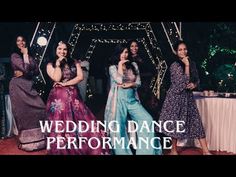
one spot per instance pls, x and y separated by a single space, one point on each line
64 104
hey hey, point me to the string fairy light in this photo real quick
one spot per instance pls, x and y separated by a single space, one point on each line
213 50
116 41
152 46
44 30
172 32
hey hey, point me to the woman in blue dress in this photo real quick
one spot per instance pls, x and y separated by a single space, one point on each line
123 101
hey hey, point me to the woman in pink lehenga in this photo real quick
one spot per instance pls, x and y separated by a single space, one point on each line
64 104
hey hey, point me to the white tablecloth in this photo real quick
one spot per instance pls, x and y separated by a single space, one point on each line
219 120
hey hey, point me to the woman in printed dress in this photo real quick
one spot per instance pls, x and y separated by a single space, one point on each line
27 106
65 104
179 104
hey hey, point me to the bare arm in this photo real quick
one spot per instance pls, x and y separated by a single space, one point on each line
185 60
54 73
120 68
24 51
187 70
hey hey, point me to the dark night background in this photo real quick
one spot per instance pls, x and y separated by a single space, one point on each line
213 42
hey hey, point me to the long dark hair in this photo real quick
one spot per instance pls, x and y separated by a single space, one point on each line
15 49
114 60
192 67
136 58
68 60
130 42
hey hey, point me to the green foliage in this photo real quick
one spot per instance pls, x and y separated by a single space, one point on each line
218 65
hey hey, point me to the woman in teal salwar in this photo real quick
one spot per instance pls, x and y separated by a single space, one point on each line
123 101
